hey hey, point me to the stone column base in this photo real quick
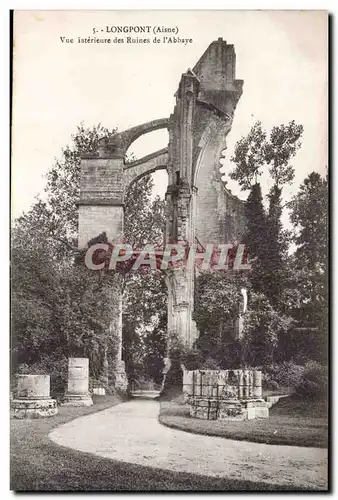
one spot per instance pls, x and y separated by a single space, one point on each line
77 400
227 409
33 408
121 380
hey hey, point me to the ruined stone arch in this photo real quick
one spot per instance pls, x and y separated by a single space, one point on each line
117 145
202 117
135 170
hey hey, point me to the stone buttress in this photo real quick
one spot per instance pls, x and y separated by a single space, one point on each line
199 210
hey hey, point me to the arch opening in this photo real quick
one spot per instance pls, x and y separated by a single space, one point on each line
148 143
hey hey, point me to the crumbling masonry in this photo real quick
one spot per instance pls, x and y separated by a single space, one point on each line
199 209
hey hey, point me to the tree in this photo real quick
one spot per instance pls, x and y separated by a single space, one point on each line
262 327
217 302
276 249
43 271
63 180
309 215
145 294
255 237
59 309
283 144
249 157
265 236
62 308
34 287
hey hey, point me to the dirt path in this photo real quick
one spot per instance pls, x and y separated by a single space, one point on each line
130 432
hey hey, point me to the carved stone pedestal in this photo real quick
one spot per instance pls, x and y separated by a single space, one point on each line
232 409
77 400
225 394
34 408
32 399
78 383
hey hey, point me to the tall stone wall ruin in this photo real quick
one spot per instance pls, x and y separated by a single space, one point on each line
198 207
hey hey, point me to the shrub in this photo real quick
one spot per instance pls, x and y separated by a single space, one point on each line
192 359
314 383
272 385
286 374
210 364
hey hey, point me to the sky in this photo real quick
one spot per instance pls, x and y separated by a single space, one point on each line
281 56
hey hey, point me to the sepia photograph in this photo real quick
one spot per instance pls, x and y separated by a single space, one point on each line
169 251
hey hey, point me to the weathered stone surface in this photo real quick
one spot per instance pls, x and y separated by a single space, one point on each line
117 145
188 383
96 219
76 400
262 411
32 397
33 408
213 414
78 375
257 384
229 401
133 171
32 387
198 206
78 383
231 411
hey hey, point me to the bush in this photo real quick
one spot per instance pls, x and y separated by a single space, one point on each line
192 359
286 374
210 364
314 383
271 385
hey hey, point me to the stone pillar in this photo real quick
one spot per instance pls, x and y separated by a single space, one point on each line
246 377
78 383
101 209
240 384
101 198
188 384
166 368
257 384
121 380
32 397
180 304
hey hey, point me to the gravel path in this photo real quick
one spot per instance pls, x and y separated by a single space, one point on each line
130 432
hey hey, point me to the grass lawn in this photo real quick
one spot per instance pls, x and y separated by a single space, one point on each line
292 422
38 464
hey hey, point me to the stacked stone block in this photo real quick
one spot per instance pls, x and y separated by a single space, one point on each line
225 394
32 397
78 383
